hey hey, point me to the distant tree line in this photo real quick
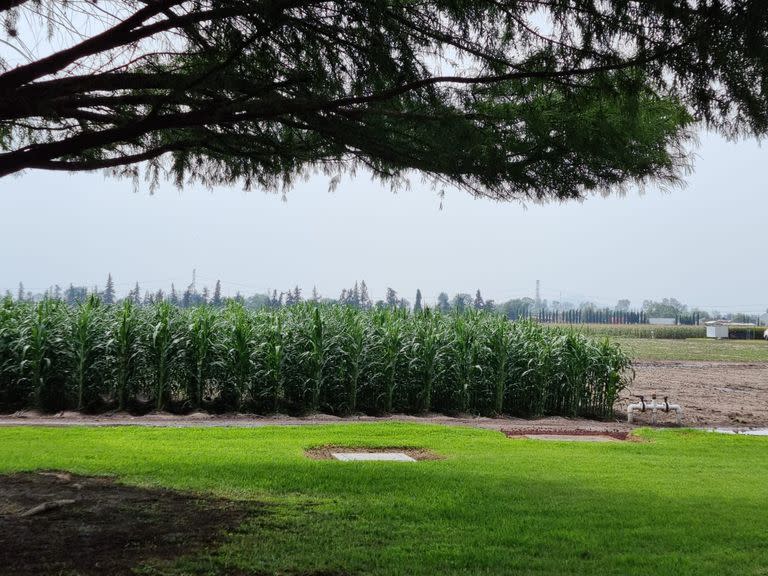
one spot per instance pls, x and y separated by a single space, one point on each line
357 296
606 316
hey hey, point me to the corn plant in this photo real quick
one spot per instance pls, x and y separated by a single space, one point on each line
125 350
427 352
12 394
199 348
529 370
463 353
353 346
498 346
389 345
239 367
84 347
41 349
312 355
162 348
269 366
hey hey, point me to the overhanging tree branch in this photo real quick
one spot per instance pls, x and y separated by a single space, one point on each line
477 96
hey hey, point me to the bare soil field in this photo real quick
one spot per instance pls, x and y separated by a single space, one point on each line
731 394
60 523
717 394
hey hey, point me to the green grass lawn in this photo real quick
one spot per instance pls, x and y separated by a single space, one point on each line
696 349
682 502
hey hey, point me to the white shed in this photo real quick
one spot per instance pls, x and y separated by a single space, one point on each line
717 331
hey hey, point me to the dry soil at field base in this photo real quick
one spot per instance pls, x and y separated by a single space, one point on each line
727 394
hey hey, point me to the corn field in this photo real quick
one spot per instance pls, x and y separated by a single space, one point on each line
642 331
300 359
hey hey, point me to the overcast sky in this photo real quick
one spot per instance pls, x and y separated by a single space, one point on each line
704 244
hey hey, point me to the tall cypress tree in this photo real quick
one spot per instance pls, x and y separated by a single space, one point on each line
136 295
109 291
417 304
365 299
479 303
217 294
20 294
392 299
70 295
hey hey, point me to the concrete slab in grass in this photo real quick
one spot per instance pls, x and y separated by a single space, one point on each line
373 456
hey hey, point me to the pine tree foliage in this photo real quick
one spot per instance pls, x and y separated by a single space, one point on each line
135 295
365 299
443 302
391 299
478 303
552 99
108 296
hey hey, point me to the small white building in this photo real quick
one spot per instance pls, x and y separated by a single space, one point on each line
717 330
662 321
721 328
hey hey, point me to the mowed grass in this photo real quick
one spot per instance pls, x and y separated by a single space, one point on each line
681 502
696 349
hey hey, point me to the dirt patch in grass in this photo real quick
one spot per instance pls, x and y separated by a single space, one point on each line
566 434
90 526
326 452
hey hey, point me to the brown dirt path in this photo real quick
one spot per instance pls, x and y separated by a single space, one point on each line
164 419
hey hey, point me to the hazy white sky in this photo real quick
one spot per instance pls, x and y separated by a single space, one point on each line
704 244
